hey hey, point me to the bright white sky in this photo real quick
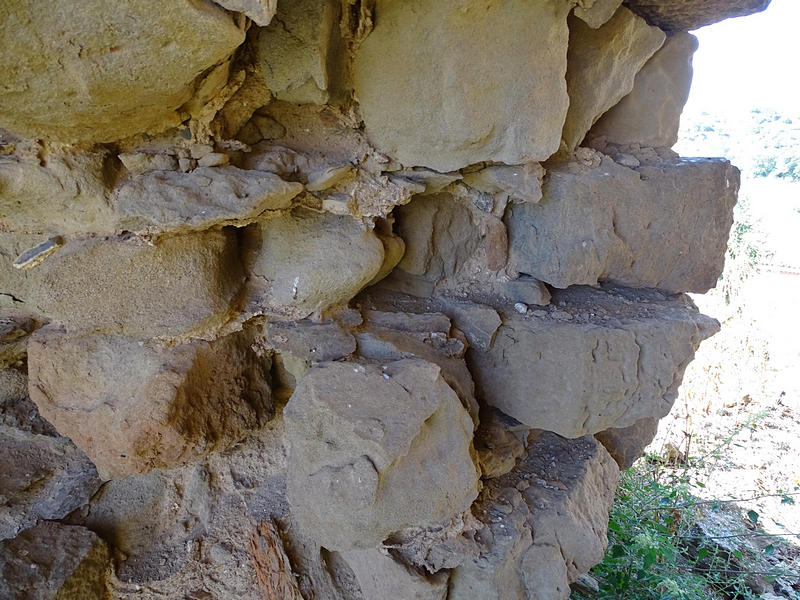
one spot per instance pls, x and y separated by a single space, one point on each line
750 62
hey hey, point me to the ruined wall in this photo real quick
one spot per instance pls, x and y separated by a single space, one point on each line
339 299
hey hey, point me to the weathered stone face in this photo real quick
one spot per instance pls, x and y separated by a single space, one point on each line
598 359
650 114
431 93
133 407
304 283
112 71
365 439
602 64
683 15
604 223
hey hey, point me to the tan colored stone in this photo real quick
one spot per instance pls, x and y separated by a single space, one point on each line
685 15
261 11
651 113
207 197
380 576
598 13
600 358
439 84
298 51
97 71
135 288
306 262
374 449
64 194
133 407
627 444
663 225
602 64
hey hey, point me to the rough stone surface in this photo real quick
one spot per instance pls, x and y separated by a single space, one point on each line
684 15
57 477
598 359
598 13
364 440
602 64
66 193
339 257
261 11
205 198
380 576
113 71
54 561
605 223
627 444
651 113
431 94
543 523
298 51
132 406
131 287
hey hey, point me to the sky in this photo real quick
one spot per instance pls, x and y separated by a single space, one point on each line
749 62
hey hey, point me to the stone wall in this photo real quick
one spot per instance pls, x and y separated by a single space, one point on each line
340 299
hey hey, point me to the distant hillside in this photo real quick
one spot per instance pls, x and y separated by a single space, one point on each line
762 143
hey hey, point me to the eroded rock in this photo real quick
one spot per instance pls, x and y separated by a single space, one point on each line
650 114
684 15
430 92
627 444
544 522
662 225
113 71
55 561
379 576
598 359
133 406
366 438
602 64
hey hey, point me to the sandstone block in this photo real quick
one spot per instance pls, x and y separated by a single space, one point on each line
627 444
53 560
598 12
374 449
685 15
602 64
298 51
306 262
598 359
261 11
663 225
544 522
380 576
131 287
431 93
169 201
41 477
63 195
111 71
133 406
651 113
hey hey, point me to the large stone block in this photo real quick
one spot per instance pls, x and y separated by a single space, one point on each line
684 15
597 359
380 576
374 449
179 287
439 83
663 225
53 560
207 197
299 51
627 444
98 72
602 64
305 262
651 114
544 523
133 406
